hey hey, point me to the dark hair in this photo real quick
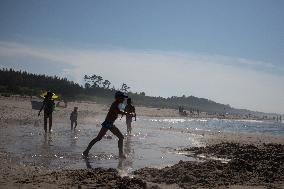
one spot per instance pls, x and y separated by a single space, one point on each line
49 93
120 94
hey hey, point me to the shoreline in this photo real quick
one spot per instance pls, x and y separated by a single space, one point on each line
18 109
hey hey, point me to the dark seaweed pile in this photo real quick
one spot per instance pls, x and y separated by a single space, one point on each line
86 178
249 165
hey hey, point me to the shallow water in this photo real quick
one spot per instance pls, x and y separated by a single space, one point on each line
149 145
62 148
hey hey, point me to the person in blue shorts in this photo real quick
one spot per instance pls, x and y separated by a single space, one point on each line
108 124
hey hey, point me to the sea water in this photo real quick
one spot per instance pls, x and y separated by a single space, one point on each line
222 125
153 142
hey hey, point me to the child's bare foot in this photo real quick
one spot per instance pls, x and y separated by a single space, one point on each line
85 153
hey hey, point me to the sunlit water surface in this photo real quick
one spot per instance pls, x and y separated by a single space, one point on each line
151 143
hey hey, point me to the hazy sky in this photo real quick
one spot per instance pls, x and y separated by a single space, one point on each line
228 51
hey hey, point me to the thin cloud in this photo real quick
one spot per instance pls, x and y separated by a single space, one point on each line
240 82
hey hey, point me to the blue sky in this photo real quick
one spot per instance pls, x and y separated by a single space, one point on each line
170 47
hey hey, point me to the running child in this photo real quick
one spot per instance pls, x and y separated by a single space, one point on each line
108 124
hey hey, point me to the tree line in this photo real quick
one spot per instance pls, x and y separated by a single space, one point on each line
95 86
24 83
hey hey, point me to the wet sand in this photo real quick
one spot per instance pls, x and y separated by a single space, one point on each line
251 166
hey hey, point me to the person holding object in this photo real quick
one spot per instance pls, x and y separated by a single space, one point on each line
48 106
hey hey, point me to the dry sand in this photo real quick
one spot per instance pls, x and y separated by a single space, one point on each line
262 167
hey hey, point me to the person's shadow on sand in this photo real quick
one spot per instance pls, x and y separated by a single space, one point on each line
47 139
46 150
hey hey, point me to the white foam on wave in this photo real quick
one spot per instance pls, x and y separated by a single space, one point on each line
249 120
173 120
177 120
202 120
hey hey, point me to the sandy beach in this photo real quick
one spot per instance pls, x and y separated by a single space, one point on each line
19 110
240 160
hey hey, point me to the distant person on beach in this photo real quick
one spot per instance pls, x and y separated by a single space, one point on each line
73 117
48 107
130 109
108 124
65 103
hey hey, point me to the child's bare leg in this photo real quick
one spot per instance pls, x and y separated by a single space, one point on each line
98 138
50 122
45 122
75 124
120 136
128 127
72 122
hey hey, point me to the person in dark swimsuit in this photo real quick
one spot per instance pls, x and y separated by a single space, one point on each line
131 110
108 124
48 107
73 118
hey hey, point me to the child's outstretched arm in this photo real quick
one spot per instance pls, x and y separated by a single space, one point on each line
118 111
43 103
